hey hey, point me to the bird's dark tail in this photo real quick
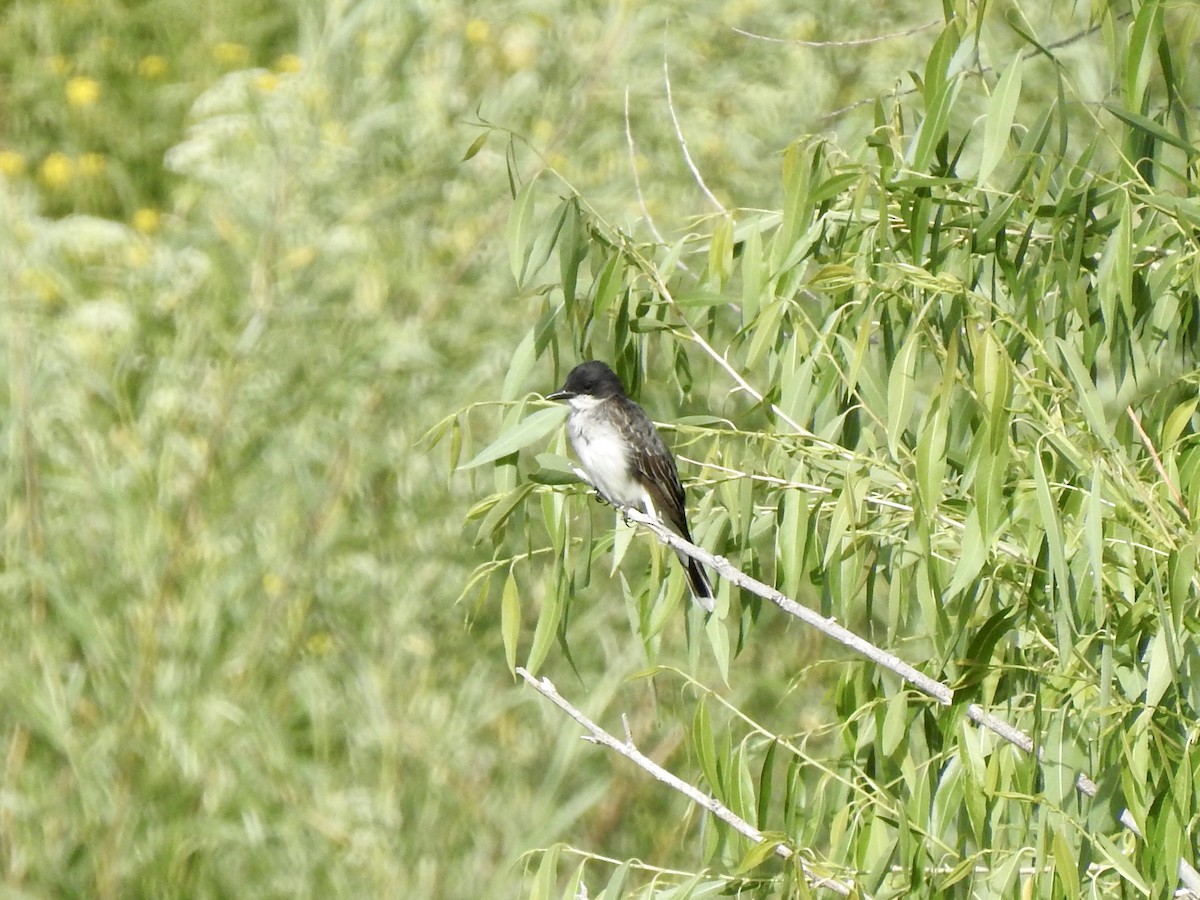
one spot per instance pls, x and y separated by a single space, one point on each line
698 581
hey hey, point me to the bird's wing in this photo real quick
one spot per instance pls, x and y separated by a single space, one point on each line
654 467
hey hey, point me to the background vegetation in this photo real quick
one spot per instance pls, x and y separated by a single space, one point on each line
246 269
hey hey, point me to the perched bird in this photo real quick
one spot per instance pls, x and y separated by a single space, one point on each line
624 457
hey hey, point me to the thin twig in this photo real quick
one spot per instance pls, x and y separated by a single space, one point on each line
1029 54
926 685
627 749
687 157
637 182
1162 472
857 42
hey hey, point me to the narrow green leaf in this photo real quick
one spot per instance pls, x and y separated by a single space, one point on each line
758 854
741 795
546 630
571 250
972 555
790 540
1116 268
510 620
895 723
1030 151
528 431
520 219
963 870
931 455
995 221
766 782
933 127
1149 126
718 640
519 367
1089 399
993 380
705 744
766 332
607 285
901 392
615 888
1093 533
623 535
571 891
720 252
500 511
1048 511
845 514
1002 109
937 65
1140 54
544 241
476 146
1120 862
456 443
1159 671
796 207
701 298
1179 418
1064 864
978 658
754 269
835 186
547 873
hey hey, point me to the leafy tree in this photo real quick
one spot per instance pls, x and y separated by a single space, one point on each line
943 392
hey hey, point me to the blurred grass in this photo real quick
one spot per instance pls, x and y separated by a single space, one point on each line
230 662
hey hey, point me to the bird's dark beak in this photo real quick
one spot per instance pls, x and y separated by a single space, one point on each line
562 394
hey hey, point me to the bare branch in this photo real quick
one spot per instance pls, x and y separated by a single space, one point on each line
687 157
637 182
858 42
627 749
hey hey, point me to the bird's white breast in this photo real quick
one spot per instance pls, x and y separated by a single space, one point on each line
601 451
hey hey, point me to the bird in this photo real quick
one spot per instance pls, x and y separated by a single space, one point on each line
625 459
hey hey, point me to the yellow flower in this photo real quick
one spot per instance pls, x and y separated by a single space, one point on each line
273 584
57 170
320 644
266 82
230 54
145 220
42 284
289 63
91 164
82 91
152 66
477 32
12 164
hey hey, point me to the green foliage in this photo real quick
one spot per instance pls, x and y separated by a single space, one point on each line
944 390
96 92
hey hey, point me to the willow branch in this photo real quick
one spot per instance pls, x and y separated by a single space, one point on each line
627 749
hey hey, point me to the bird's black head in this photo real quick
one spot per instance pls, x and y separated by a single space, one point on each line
593 379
